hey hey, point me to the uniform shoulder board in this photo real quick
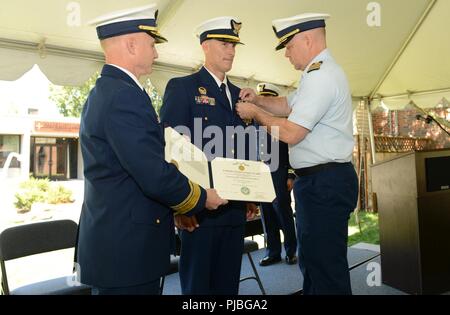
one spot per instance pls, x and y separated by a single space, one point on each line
315 66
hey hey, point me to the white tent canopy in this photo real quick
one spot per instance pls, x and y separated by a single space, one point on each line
405 57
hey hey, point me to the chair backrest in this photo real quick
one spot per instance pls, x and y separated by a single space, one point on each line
254 227
36 238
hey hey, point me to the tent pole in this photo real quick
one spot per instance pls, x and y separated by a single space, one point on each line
368 103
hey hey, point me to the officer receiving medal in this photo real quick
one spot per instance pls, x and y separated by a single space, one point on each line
202 106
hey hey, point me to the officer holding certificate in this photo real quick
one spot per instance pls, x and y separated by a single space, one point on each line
126 230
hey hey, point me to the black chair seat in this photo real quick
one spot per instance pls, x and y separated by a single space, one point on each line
254 227
57 286
36 238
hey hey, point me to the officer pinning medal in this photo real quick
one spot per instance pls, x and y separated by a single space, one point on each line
318 130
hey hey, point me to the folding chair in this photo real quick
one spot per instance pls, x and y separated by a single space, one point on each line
36 238
251 246
253 227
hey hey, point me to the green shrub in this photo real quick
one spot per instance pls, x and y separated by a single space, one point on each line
40 190
369 232
26 198
59 194
42 184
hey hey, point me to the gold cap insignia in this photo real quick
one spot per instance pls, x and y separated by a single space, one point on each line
260 88
236 27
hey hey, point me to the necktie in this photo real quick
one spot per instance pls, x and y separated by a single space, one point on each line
223 90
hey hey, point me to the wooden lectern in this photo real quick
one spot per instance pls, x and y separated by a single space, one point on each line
413 195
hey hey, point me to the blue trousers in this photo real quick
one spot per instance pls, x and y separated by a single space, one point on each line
210 260
278 215
150 288
323 202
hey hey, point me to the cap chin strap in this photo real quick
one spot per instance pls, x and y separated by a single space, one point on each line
218 36
283 38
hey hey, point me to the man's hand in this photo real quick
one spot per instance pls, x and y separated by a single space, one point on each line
290 184
247 95
183 222
213 200
246 110
252 210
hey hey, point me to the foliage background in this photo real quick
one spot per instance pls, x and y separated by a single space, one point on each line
70 99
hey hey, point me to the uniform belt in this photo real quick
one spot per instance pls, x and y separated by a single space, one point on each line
317 168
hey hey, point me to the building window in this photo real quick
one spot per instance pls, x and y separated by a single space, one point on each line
33 111
8 144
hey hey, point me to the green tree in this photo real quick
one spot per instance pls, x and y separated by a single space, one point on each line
70 99
154 95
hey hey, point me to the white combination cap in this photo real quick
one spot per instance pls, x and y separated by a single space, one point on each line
134 20
285 29
224 28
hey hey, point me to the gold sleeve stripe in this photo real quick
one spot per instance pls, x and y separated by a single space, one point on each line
222 36
191 200
183 203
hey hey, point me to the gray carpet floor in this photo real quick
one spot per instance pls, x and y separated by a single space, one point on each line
283 279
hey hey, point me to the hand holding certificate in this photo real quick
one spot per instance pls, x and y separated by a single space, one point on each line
189 159
233 179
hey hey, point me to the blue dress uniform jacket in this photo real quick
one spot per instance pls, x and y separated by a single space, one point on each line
126 231
183 106
278 214
211 255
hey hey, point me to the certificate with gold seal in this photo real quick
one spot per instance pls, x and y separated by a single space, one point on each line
233 179
242 180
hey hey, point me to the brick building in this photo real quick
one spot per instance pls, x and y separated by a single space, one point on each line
403 123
